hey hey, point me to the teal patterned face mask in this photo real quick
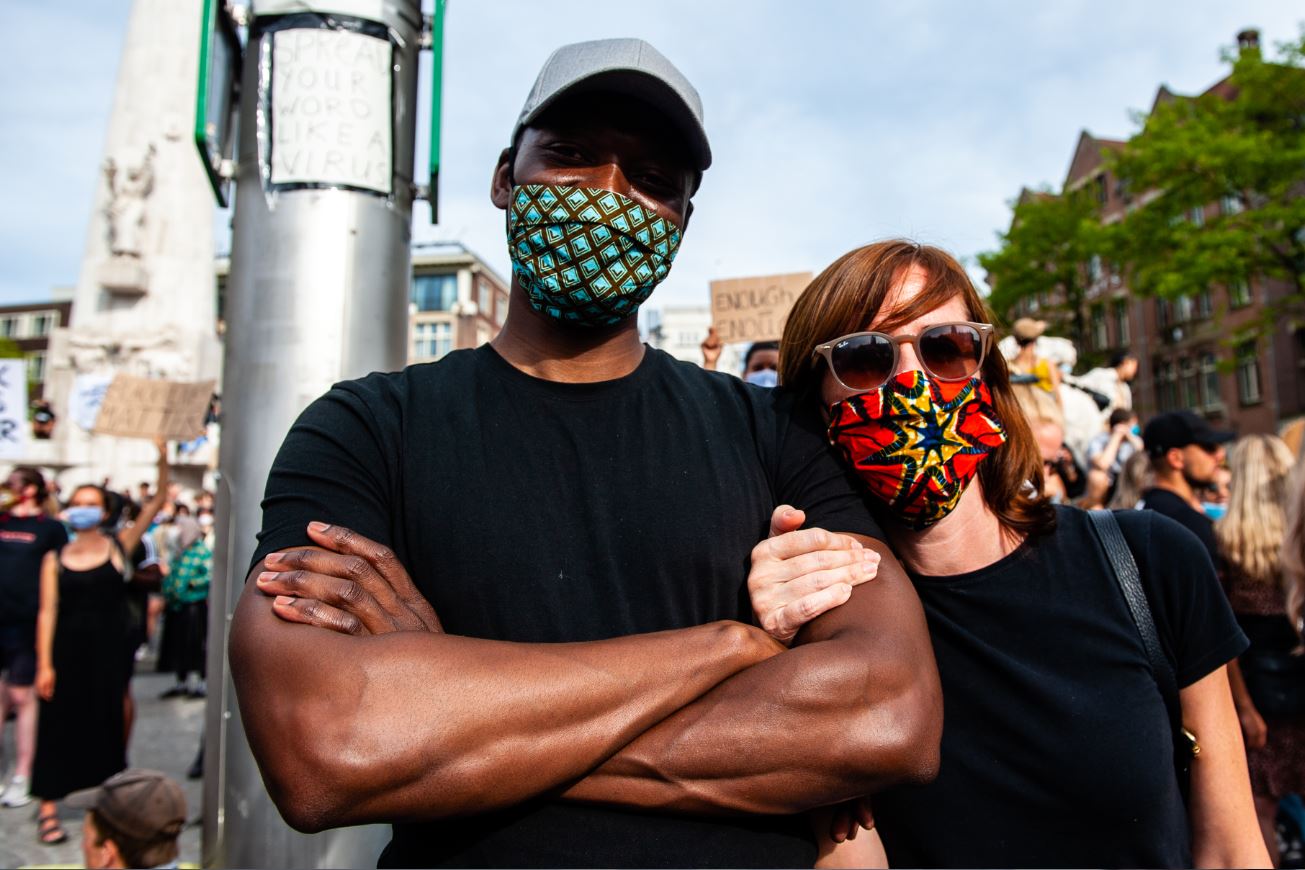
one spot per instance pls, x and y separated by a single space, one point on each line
584 255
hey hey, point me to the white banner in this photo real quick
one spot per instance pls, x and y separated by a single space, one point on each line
13 408
88 394
331 99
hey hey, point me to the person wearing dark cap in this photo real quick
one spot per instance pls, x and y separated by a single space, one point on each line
1185 451
548 541
133 819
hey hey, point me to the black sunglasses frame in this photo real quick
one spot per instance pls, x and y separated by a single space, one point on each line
826 351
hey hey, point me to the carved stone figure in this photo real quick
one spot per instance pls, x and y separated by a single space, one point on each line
129 188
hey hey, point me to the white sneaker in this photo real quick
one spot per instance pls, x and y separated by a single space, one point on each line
16 795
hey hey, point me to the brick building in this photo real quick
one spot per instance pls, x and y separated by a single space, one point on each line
28 325
1181 345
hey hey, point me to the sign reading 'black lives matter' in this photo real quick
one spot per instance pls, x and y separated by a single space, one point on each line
331 99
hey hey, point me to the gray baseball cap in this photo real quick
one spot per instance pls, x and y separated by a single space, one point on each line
627 66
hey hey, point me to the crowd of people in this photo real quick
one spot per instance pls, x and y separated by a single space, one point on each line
90 587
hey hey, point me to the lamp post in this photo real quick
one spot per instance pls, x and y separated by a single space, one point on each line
317 293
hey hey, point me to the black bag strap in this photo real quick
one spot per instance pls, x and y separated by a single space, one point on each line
1130 583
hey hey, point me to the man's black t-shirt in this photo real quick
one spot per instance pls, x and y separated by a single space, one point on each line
24 541
1172 505
528 510
1057 749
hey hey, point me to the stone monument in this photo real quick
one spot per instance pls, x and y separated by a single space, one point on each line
145 302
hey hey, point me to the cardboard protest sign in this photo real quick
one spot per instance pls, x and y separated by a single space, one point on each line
13 408
754 309
139 408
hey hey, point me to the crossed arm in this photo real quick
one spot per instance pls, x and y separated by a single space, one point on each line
397 721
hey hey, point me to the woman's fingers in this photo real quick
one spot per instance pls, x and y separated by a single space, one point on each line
784 622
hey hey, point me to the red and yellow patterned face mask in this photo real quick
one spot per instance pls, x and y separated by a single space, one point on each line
917 442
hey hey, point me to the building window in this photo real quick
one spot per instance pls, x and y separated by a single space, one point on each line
1239 293
1248 374
1197 216
1122 332
1204 306
1102 189
8 327
1163 313
41 324
1231 204
36 366
1182 309
1100 338
484 298
501 310
434 292
1094 268
431 340
1191 393
1209 382
1165 388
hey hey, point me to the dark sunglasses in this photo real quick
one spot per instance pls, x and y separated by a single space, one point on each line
866 360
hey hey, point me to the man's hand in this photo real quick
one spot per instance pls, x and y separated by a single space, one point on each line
351 585
798 574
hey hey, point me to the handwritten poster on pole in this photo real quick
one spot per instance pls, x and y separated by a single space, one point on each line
140 408
331 109
754 309
13 408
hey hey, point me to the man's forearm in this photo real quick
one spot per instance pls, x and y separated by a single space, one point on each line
418 725
851 711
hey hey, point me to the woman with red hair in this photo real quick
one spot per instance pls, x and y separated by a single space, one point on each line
1057 748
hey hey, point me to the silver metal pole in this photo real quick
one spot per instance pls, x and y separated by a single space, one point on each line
317 293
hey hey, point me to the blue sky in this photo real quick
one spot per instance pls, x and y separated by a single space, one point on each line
832 123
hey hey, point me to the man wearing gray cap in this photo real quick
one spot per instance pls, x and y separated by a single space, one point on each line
133 819
583 513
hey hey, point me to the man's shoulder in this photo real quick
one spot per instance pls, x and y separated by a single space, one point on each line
398 386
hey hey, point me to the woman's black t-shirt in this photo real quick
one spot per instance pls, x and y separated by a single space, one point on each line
1057 750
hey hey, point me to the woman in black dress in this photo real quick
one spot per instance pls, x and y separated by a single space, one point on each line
82 670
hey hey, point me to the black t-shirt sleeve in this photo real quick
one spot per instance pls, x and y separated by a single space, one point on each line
1192 614
57 537
338 465
812 477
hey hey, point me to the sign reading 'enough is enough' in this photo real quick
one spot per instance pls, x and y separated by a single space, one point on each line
754 309
331 98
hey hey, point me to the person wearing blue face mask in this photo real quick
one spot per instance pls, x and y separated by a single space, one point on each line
761 364
550 537
84 653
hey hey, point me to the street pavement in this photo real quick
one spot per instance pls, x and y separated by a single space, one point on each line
165 737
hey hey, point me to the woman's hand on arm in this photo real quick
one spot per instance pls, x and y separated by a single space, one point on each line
798 574
1225 832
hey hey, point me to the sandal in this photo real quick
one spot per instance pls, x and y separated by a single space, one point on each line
48 830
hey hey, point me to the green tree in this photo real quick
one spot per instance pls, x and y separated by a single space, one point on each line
1051 239
1241 146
